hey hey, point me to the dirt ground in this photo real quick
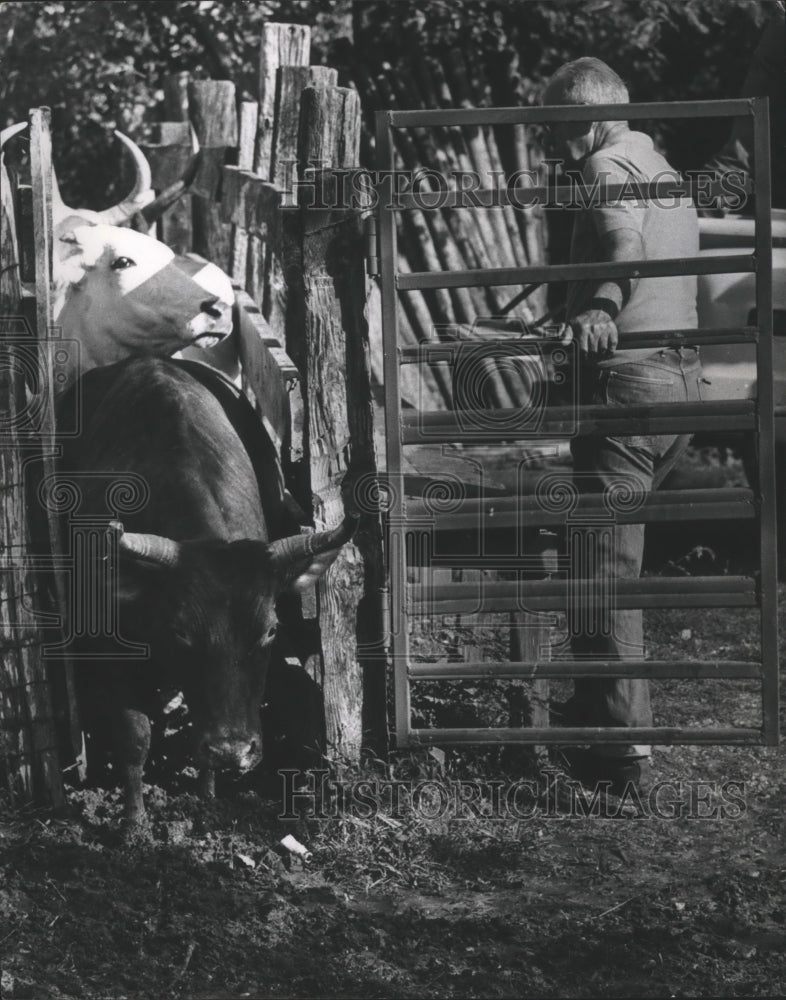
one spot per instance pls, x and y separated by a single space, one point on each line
680 895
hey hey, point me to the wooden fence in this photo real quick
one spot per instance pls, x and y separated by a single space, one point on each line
302 337
28 737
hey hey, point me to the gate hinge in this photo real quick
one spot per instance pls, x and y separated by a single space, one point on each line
371 245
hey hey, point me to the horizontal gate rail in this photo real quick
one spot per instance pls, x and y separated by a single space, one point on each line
653 669
491 596
444 426
731 264
568 113
436 352
663 735
431 534
733 503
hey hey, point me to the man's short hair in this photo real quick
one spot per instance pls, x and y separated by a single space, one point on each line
588 81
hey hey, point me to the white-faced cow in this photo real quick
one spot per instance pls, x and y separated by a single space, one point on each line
121 293
197 575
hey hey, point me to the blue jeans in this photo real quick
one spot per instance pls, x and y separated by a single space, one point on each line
615 551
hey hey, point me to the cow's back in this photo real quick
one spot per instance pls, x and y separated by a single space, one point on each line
150 418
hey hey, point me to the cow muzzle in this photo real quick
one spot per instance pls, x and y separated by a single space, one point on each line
231 753
212 323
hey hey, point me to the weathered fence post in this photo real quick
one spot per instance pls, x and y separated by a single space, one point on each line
214 117
169 155
247 130
28 739
280 45
332 347
41 173
292 80
175 228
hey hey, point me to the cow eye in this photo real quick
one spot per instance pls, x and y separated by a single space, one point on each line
267 637
121 263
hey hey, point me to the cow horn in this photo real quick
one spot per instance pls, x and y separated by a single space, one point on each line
10 132
142 192
288 550
164 201
59 208
151 548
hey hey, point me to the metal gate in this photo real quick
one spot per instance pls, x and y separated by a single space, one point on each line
416 525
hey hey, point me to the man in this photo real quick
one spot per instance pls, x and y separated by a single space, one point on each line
609 373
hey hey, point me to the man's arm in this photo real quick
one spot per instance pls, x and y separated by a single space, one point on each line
595 328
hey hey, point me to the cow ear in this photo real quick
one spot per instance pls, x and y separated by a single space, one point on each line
77 248
129 579
69 247
71 272
135 579
301 560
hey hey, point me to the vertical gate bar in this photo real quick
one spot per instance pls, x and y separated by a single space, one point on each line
396 529
765 417
397 526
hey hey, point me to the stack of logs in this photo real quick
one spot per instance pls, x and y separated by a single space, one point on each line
454 239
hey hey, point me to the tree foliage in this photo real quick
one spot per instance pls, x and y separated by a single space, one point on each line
99 65
665 50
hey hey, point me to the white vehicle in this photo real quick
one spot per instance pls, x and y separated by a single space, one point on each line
729 300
